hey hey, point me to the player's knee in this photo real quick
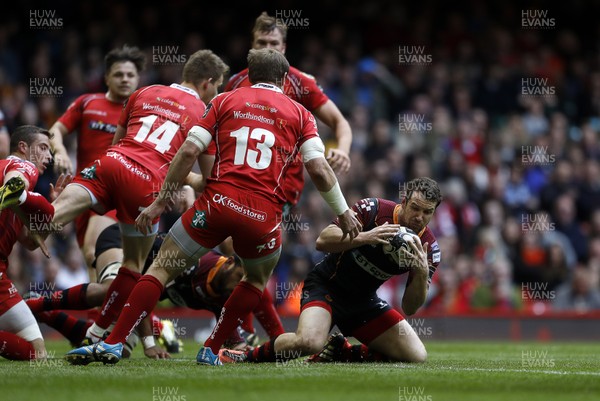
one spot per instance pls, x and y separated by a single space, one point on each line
415 354
418 356
310 344
88 255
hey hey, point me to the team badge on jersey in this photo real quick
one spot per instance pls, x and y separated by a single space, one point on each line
199 220
89 173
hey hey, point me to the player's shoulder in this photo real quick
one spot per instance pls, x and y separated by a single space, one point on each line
87 99
25 167
236 79
149 89
376 203
301 75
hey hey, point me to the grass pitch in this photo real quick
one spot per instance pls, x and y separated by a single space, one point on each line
455 371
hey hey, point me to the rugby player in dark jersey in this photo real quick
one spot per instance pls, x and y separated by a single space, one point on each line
341 289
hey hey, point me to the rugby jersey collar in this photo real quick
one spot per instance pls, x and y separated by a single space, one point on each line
268 86
188 90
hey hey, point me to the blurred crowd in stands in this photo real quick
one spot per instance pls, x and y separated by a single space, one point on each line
502 108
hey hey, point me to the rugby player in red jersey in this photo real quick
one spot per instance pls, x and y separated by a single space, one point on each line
253 128
20 336
94 117
152 127
271 33
341 289
204 286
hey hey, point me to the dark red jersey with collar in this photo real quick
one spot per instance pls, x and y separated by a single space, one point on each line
360 271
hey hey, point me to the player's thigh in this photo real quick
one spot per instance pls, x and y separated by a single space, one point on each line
258 270
73 200
314 324
135 250
96 224
170 261
400 343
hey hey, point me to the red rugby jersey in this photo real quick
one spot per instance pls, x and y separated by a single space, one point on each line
95 119
304 89
158 118
9 221
258 132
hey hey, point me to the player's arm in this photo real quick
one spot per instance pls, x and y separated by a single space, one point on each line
197 141
151 350
323 177
417 284
62 161
338 158
206 162
196 181
119 134
330 239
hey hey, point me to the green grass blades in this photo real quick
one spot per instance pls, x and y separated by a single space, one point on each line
455 371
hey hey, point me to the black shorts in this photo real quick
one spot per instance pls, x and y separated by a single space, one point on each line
109 238
349 311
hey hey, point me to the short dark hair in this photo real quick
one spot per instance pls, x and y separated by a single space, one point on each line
27 134
426 186
267 65
203 64
265 23
125 53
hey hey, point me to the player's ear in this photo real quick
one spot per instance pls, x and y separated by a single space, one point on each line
22 146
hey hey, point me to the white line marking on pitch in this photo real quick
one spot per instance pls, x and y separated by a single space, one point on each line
549 372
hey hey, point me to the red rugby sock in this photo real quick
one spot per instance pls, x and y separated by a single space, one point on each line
141 302
15 348
116 296
243 300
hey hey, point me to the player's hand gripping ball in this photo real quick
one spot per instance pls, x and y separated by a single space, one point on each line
400 243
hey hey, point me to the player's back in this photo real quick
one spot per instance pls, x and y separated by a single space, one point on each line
259 134
158 118
298 85
10 223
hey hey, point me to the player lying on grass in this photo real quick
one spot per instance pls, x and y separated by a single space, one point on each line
205 286
341 289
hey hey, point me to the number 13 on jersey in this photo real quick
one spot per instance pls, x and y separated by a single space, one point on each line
258 159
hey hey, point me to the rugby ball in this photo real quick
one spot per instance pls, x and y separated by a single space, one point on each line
400 241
